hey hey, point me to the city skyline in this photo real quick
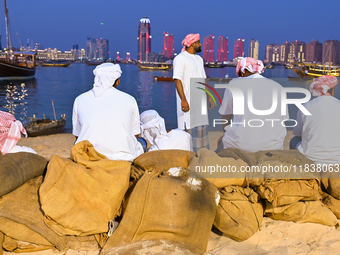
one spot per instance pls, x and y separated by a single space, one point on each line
62 24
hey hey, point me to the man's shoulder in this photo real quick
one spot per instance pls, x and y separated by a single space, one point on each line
85 95
123 95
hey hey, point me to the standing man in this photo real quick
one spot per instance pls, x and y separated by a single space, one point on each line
317 136
107 117
190 65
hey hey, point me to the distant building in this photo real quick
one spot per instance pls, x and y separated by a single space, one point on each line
168 45
89 50
128 57
254 49
297 52
38 46
0 44
331 49
239 48
75 50
144 40
102 49
284 52
222 51
314 52
54 54
208 49
272 53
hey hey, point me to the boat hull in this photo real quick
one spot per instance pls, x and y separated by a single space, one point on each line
33 129
12 71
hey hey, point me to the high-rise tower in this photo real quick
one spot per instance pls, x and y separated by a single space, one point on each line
168 45
254 49
222 51
144 40
208 49
239 48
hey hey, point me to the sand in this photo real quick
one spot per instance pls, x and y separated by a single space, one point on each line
274 237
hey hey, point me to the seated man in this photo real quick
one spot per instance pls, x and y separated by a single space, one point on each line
154 131
107 117
317 136
252 132
10 134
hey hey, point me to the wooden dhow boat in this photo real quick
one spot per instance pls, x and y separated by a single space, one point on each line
38 127
162 78
154 66
15 64
56 63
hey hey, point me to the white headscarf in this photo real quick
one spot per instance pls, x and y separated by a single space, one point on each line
105 76
152 125
153 130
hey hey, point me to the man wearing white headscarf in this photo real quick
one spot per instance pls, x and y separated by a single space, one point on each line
107 117
154 131
317 136
248 131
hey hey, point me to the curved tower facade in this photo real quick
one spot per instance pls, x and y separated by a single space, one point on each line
144 40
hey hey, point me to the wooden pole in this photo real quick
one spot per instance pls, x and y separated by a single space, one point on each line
55 117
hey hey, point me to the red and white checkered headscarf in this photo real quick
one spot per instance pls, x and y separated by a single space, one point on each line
189 39
10 129
251 64
321 85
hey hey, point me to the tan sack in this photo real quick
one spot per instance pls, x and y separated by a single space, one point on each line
272 164
302 212
332 204
162 160
239 214
218 170
154 247
332 186
16 246
18 168
22 220
81 197
164 207
285 192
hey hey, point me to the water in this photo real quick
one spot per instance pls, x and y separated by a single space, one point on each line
23 98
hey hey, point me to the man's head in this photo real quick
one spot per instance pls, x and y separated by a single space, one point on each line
192 44
106 76
323 85
249 66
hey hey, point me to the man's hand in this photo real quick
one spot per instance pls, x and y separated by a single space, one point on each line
219 140
185 106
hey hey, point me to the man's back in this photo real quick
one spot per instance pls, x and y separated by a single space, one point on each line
108 122
320 130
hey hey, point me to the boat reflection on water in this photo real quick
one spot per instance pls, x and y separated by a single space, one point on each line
14 94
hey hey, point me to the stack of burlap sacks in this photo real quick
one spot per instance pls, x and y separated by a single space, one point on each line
162 206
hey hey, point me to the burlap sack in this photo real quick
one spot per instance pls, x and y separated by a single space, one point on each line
332 204
154 247
239 214
81 197
18 168
285 192
22 220
218 170
162 160
168 208
332 186
302 212
16 246
264 163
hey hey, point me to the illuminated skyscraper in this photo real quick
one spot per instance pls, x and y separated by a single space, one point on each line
272 53
239 48
330 52
117 56
222 51
144 40
208 49
297 52
168 45
314 52
254 49
128 57
102 49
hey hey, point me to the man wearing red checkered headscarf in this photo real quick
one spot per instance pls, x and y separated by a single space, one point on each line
317 136
10 132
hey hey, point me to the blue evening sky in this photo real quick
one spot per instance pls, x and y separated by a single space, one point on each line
63 23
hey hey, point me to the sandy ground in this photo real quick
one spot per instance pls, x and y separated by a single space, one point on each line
274 237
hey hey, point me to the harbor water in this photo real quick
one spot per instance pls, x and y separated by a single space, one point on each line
62 85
